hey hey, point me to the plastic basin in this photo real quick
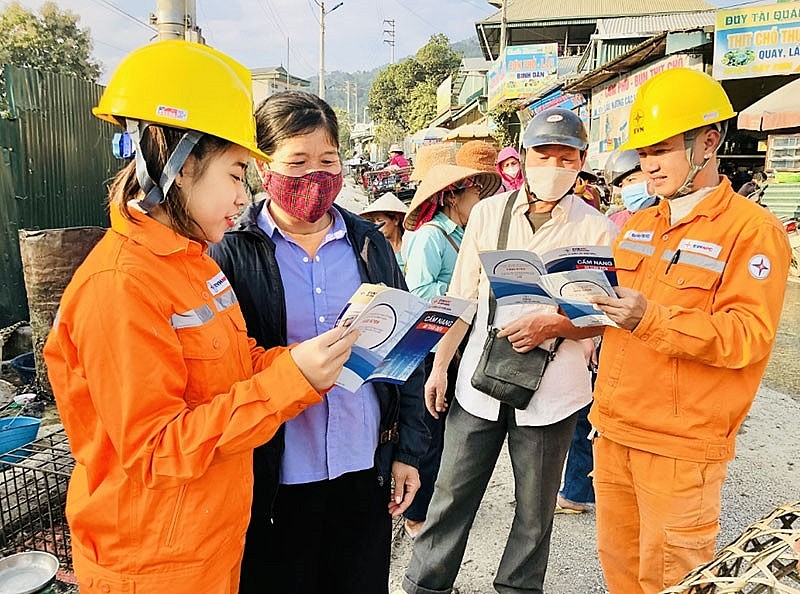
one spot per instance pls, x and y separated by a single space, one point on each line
16 432
25 365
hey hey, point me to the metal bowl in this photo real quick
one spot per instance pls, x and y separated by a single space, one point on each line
28 572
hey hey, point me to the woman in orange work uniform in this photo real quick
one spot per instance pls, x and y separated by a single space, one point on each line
161 393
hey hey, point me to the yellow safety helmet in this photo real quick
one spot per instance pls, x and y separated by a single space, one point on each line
673 102
184 85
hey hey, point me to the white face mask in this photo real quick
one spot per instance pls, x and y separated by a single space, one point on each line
550 184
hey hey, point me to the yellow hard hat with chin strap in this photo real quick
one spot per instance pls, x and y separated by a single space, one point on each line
184 85
674 102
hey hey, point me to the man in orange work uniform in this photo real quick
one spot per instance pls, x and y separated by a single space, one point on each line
702 278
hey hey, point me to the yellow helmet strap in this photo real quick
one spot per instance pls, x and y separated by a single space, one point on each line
155 194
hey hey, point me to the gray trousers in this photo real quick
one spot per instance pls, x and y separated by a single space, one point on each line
471 448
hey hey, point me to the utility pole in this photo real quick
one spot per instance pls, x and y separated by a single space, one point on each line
503 27
390 32
322 13
347 94
175 19
356 100
288 84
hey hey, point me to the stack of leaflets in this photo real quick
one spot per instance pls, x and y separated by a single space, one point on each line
397 329
565 277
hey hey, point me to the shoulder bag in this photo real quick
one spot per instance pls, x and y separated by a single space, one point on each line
503 373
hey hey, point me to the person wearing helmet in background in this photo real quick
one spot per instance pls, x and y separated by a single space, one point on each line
583 188
625 174
162 395
702 278
397 159
543 215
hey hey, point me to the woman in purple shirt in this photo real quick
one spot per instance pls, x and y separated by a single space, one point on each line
321 516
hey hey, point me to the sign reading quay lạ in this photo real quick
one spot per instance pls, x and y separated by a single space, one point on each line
757 41
522 71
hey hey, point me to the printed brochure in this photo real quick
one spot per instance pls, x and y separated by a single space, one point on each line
564 277
397 330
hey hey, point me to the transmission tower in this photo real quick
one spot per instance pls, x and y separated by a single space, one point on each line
389 35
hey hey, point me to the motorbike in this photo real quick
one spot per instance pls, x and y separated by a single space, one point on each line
382 180
790 225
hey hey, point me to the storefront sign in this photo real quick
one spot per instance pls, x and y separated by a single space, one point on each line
611 105
521 71
757 41
558 99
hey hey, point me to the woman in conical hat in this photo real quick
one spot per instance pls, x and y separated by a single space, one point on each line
387 212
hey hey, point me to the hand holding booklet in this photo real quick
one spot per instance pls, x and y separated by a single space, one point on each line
565 277
397 329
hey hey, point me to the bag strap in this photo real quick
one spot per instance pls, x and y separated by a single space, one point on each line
446 236
502 242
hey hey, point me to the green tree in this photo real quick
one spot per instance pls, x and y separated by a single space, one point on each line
404 95
345 130
51 41
505 116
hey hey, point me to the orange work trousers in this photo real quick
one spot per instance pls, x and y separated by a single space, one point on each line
657 517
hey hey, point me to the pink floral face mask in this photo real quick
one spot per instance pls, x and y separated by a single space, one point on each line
307 197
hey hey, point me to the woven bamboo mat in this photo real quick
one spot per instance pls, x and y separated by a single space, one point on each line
763 560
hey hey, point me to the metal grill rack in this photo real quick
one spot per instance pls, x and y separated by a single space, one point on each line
33 492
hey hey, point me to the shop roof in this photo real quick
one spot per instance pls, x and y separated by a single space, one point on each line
554 10
652 24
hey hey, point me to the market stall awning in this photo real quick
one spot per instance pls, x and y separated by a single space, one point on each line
431 134
779 109
469 132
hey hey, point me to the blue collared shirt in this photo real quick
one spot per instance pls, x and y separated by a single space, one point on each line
431 258
340 435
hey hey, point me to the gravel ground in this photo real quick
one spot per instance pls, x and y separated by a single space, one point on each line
764 474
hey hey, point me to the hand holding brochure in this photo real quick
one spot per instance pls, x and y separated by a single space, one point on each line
565 277
397 330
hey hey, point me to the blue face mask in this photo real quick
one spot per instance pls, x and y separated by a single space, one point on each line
635 197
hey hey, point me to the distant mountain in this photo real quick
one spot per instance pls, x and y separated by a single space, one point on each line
470 47
335 82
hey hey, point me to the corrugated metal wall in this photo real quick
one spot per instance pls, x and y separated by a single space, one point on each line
55 163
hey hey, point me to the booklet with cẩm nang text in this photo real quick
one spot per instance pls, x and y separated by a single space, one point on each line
397 329
565 277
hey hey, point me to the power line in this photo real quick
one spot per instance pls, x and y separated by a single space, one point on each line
475 3
205 19
313 11
273 17
119 49
419 16
118 10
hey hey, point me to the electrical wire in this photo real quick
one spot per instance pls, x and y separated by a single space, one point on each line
274 18
205 19
117 9
436 28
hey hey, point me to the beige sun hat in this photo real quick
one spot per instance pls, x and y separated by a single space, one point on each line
386 203
441 175
430 155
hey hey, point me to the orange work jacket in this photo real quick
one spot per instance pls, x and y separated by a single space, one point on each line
681 383
153 375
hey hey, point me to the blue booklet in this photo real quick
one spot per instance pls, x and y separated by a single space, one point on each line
397 329
565 277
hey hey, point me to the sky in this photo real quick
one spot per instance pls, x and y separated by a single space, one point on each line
255 31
